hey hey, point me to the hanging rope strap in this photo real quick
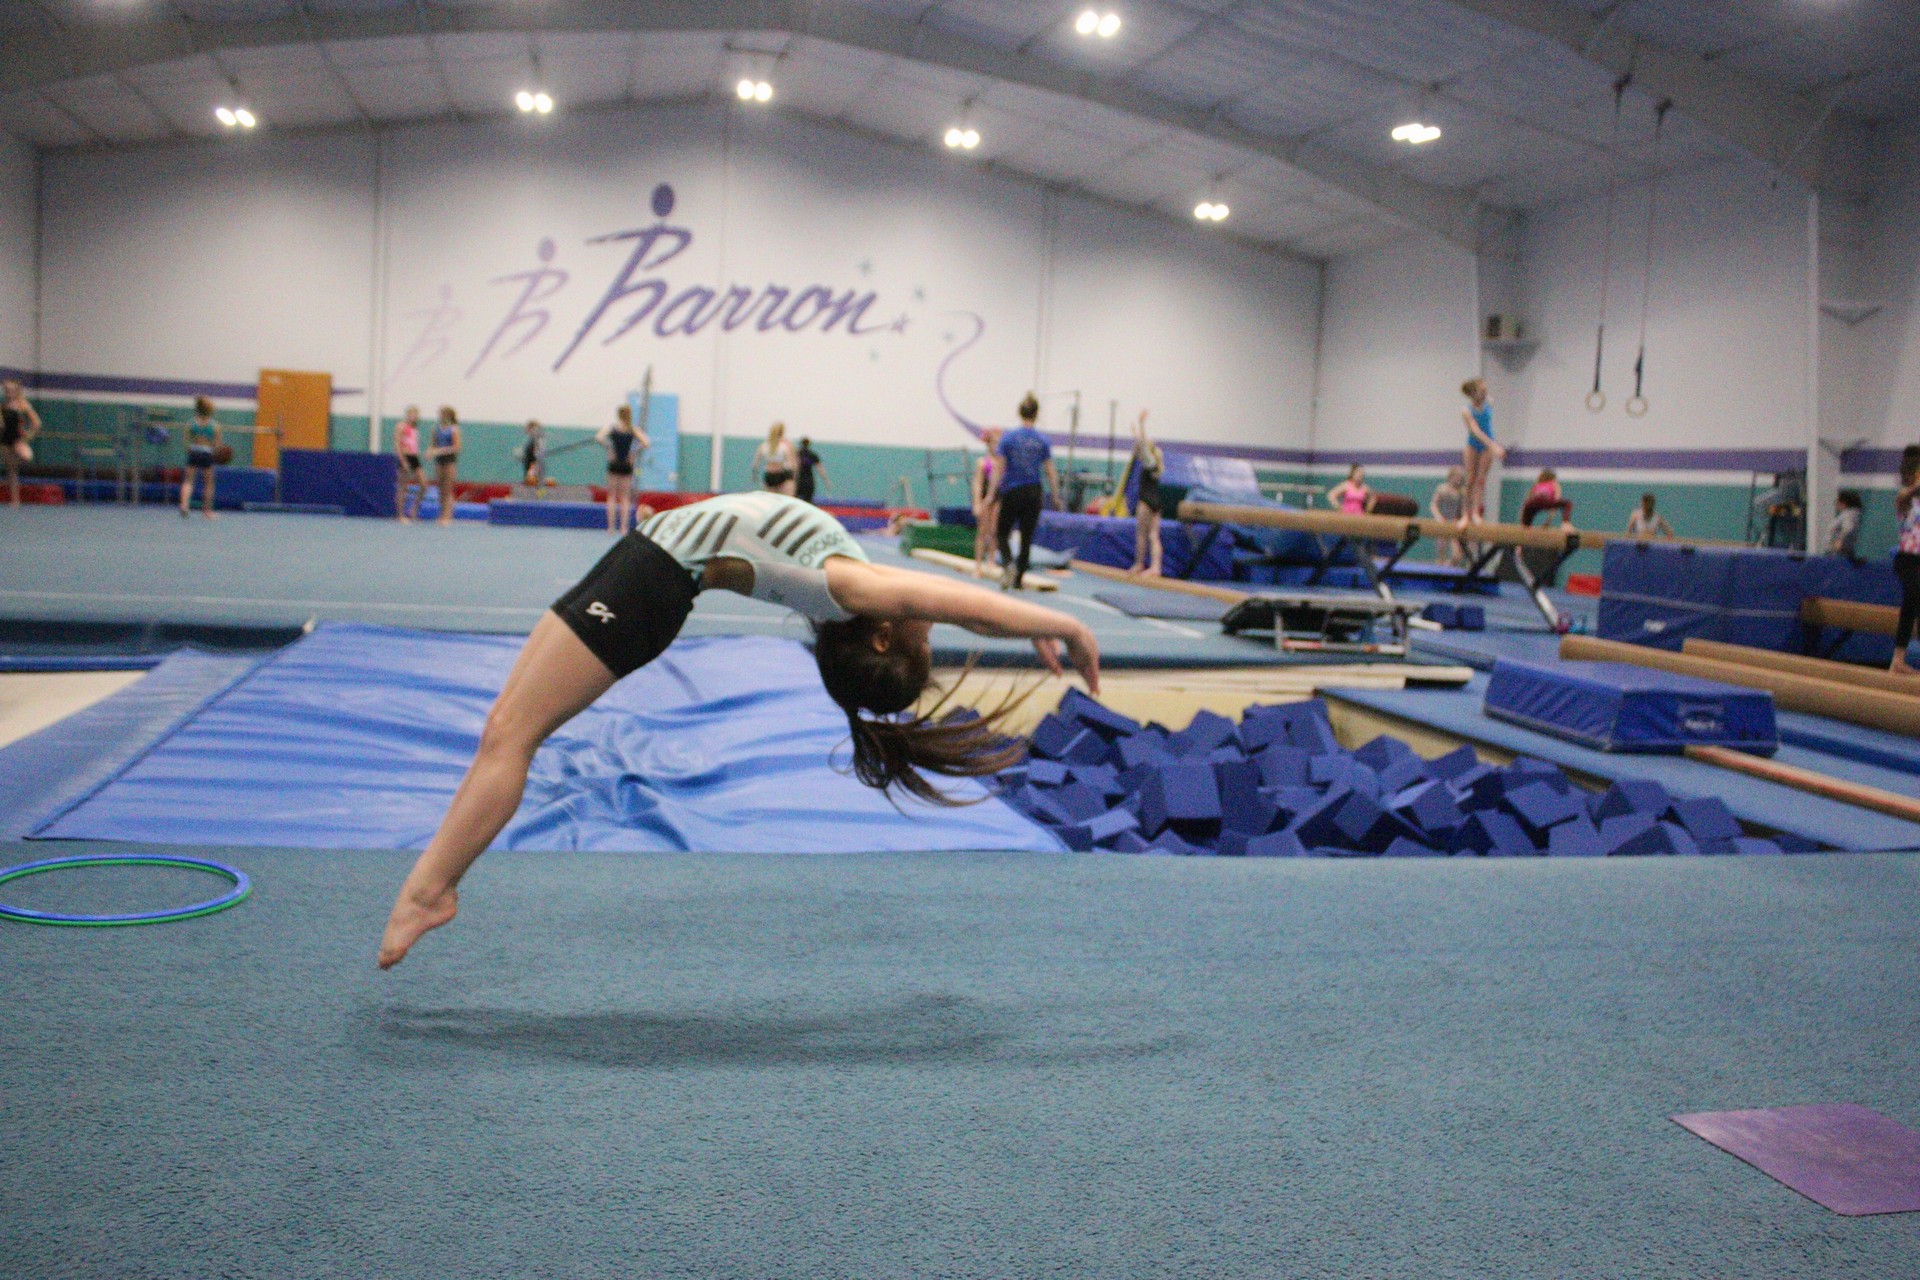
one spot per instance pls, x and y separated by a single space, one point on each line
1637 402
1596 398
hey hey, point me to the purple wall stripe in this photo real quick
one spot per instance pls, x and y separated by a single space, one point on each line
106 385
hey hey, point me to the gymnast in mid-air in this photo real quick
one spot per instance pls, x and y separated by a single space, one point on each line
871 625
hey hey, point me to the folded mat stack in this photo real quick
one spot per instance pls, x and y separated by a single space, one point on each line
1279 784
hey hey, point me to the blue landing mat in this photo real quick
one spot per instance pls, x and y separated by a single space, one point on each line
356 737
1764 804
1148 602
47 772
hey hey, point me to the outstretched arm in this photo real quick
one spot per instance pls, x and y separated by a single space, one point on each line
879 591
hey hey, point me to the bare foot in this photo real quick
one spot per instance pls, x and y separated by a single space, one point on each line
413 915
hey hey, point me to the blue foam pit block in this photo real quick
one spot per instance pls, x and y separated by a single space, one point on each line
1398 775
1262 726
1365 824
1207 730
1232 844
1791 843
1496 835
1282 765
1541 771
1577 838
1428 807
1133 779
1743 846
1454 764
1102 829
1179 789
1617 831
1293 800
1054 735
1012 777
1130 842
1088 747
1477 790
1103 778
1447 615
1342 851
1684 845
1105 721
1634 795
1226 755
1707 818
1540 808
1312 731
1657 841
1403 847
1040 805
1472 617
1048 773
1379 752
1278 844
1079 801
1142 749
1324 770
1315 823
1242 806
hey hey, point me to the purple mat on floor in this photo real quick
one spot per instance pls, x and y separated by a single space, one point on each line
1841 1155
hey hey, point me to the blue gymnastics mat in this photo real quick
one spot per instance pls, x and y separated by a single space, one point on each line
1151 602
355 738
1616 706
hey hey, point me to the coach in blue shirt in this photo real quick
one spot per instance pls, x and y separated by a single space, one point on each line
1026 459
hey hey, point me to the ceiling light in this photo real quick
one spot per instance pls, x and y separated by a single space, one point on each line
963 138
542 103
763 92
1210 211
245 117
532 101
523 100
1415 133
1091 23
225 116
754 91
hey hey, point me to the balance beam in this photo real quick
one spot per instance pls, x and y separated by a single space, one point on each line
1799 665
1849 615
1891 712
1226 595
1887 802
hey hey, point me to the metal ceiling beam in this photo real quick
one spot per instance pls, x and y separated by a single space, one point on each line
1795 133
118 42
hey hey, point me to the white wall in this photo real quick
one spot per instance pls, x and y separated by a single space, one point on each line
392 263
1398 339
1727 329
1887 408
19 194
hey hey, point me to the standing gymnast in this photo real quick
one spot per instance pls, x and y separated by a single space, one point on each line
1147 551
1906 557
203 444
871 624
1025 459
775 461
533 453
622 439
1351 496
409 481
19 424
446 459
986 502
1481 452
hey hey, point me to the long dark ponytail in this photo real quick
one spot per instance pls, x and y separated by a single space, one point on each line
893 749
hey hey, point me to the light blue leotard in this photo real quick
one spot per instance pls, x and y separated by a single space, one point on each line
1482 415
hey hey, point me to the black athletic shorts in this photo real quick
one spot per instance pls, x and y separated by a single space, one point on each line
631 605
410 462
619 468
201 458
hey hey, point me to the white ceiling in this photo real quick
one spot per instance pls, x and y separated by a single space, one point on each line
1527 121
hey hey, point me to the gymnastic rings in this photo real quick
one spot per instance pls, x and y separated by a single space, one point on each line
1636 406
232 897
1596 401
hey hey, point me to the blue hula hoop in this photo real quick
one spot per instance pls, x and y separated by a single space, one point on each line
241 888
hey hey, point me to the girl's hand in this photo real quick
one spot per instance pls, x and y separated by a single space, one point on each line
1500 452
1049 650
1084 653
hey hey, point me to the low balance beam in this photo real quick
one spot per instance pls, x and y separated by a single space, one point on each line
1849 615
1888 802
1226 595
1394 528
1800 665
1891 712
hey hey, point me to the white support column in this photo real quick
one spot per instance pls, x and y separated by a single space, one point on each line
1815 490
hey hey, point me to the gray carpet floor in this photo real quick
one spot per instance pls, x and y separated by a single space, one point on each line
952 1066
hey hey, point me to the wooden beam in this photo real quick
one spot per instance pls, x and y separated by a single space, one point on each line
1801 665
1891 712
1887 802
1393 528
1226 595
1849 615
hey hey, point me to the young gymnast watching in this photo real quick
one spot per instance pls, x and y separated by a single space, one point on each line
1645 523
871 624
986 501
19 424
1351 496
446 459
203 442
410 482
1482 449
1147 549
1445 505
624 443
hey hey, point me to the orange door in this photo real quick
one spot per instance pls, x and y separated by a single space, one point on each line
300 404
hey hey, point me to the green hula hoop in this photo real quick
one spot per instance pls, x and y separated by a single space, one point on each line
233 897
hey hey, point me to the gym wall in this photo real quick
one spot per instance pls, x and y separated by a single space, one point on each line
483 265
17 196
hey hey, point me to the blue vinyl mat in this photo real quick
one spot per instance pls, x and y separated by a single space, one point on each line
355 738
1153 602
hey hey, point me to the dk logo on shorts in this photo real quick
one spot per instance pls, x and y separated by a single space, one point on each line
600 611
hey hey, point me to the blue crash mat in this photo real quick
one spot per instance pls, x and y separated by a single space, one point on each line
1617 706
356 736
1151 602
